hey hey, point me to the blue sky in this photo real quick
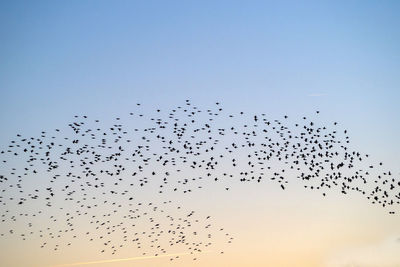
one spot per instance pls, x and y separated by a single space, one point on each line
95 57
63 58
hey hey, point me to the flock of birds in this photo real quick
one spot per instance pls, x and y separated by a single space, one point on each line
90 179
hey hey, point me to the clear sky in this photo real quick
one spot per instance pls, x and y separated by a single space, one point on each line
99 58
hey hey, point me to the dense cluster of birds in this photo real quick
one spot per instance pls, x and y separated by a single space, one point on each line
99 173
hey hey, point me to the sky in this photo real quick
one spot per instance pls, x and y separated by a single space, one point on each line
64 58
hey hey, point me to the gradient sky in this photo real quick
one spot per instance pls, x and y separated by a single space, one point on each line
61 58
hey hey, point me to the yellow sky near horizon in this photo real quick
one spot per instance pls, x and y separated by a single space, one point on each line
298 228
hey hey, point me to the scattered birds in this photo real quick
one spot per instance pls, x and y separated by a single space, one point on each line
97 174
